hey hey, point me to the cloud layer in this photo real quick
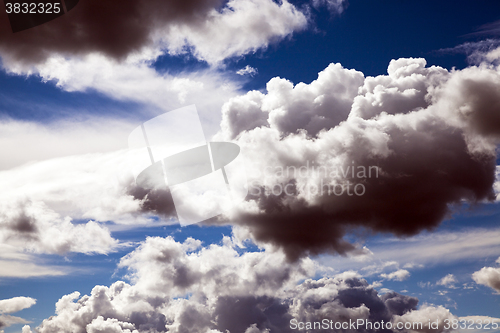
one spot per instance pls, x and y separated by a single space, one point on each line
183 287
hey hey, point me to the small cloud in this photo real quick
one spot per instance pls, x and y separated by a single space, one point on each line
399 275
448 281
334 6
385 290
424 284
488 276
248 70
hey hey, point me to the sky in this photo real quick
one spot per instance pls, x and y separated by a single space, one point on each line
408 88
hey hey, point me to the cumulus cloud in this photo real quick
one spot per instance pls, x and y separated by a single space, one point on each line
184 287
399 275
425 315
448 281
429 133
488 276
12 305
206 27
34 227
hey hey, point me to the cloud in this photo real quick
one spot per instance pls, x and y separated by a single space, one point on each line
481 323
183 287
28 141
488 276
247 70
16 304
448 281
492 28
334 6
426 132
399 275
12 305
483 51
425 315
429 133
205 27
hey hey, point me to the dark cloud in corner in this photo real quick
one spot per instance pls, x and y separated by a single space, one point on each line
114 28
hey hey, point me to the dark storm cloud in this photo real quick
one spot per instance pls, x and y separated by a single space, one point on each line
156 201
431 135
115 28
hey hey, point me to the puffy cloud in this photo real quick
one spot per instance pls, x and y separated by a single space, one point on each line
429 136
207 27
322 104
39 229
399 275
182 287
425 315
488 276
16 304
448 281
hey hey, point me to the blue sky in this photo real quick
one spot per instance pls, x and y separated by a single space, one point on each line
76 109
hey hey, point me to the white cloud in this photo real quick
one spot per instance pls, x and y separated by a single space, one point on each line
28 141
247 70
448 281
242 27
425 315
399 275
16 304
488 276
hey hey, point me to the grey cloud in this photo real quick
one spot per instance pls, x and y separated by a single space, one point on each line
431 133
118 30
40 229
128 26
240 304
